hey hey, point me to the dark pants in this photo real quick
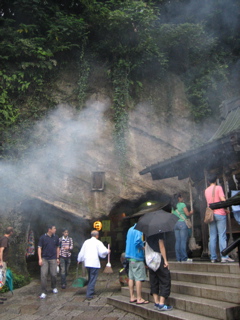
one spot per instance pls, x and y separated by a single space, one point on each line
160 281
64 266
92 278
48 265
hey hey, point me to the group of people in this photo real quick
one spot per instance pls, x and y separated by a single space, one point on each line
160 280
54 251
217 228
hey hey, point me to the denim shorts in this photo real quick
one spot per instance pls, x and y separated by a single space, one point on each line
137 271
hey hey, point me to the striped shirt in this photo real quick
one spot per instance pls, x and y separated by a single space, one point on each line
65 242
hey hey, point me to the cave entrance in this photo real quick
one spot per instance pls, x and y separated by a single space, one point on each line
126 213
38 215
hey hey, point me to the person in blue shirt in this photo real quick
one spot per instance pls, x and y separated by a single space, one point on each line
135 254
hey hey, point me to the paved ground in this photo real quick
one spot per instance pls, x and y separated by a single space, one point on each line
68 304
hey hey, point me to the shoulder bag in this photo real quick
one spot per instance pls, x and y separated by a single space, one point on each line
153 259
187 221
209 214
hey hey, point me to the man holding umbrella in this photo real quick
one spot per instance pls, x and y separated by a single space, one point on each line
160 280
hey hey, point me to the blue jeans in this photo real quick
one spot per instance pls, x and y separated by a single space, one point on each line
217 230
92 278
181 237
64 267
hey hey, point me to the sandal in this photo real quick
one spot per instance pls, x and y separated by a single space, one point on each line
143 302
133 301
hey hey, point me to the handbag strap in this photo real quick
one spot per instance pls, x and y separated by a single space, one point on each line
213 193
181 216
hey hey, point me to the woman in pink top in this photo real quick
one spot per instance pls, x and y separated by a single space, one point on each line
218 227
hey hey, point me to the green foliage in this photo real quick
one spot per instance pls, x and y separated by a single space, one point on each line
120 102
137 40
84 71
34 40
18 282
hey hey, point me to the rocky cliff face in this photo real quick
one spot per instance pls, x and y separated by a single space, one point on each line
70 145
53 183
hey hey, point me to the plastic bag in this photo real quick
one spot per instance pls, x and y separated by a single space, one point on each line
153 259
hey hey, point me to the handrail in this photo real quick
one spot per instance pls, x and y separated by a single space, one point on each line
231 247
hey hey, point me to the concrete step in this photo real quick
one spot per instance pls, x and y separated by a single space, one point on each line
225 280
202 306
147 311
208 291
198 266
205 307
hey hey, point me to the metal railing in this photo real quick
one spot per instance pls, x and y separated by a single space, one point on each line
231 247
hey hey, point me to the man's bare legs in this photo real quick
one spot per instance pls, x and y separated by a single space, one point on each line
131 290
139 298
158 300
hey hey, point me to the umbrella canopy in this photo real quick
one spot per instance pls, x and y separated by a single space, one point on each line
155 222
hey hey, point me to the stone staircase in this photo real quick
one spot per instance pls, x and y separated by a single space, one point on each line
200 291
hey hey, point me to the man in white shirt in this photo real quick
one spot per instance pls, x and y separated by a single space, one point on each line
91 251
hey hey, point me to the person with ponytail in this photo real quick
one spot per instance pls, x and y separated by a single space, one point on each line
179 208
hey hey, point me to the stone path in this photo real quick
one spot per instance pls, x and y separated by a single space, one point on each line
68 304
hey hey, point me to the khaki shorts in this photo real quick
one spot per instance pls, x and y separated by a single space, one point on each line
137 271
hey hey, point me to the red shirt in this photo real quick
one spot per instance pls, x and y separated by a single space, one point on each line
217 197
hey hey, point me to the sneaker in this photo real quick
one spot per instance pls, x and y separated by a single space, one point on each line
156 306
63 286
55 290
43 296
214 260
223 260
164 307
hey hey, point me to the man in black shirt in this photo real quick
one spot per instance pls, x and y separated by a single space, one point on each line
48 257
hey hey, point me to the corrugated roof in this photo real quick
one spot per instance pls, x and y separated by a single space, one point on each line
216 150
230 124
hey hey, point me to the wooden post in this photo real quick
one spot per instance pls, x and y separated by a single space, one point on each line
191 204
205 228
228 216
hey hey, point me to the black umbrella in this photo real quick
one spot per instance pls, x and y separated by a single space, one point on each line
155 222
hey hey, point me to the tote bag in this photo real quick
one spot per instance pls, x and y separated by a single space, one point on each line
153 259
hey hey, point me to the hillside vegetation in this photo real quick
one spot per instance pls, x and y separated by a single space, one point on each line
134 41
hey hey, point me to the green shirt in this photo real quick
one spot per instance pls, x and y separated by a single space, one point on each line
180 207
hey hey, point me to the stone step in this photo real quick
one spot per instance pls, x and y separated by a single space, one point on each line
225 280
202 306
208 291
147 311
198 266
205 307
